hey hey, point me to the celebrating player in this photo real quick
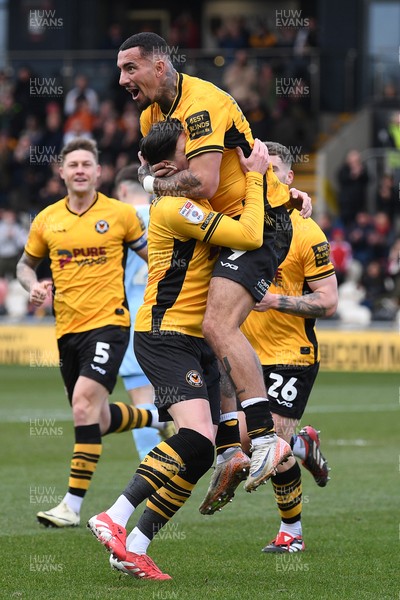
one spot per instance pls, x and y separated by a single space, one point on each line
85 235
172 352
215 125
282 331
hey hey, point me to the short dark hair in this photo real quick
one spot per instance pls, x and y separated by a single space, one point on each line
276 149
128 173
160 143
148 42
80 143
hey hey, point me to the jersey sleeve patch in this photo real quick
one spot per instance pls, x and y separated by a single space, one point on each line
199 125
191 212
321 254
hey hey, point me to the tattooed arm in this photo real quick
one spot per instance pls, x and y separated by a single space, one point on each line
322 302
26 275
200 180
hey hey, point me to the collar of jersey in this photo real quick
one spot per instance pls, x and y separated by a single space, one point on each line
88 208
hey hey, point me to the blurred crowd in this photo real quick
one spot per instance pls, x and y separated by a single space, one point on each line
36 121
365 245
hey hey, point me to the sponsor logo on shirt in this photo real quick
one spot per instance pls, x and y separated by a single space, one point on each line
321 254
199 124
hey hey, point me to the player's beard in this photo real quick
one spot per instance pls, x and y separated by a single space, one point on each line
143 104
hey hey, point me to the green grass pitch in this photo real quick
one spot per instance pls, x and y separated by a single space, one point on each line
351 527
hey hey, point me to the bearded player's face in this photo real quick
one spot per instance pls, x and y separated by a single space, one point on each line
139 76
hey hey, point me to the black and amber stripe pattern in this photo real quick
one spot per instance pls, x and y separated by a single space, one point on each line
161 464
288 494
83 465
130 418
212 227
171 497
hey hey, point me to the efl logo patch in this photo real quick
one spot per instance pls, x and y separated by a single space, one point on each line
321 254
199 125
191 212
194 378
102 226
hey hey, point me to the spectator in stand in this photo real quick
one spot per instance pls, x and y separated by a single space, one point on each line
106 111
5 168
389 97
27 176
390 137
387 199
305 41
341 254
23 99
358 236
394 269
262 37
232 34
52 135
80 123
6 85
106 181
32 129
114 37
325 222
353 180
257 115
266 85
185 32
381 237
240 78
51 192
12 241
80 90
131 132
109 141
10 115
378 290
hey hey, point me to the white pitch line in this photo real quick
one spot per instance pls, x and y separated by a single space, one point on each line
15 416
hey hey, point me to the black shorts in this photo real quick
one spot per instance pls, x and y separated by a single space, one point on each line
180 367
96 354
255 269
288 388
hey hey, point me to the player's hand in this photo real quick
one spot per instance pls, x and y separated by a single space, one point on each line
301 201
39 291
163 169
257 161
144 168
266 303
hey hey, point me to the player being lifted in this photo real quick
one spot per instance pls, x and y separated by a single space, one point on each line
172 352
215 125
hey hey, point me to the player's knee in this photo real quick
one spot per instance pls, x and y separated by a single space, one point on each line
203 453
210 329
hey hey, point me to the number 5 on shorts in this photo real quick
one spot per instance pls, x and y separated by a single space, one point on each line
101 354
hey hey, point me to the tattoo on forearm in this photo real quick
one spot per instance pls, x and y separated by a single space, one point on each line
26 276
310 306
228 370
183 184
